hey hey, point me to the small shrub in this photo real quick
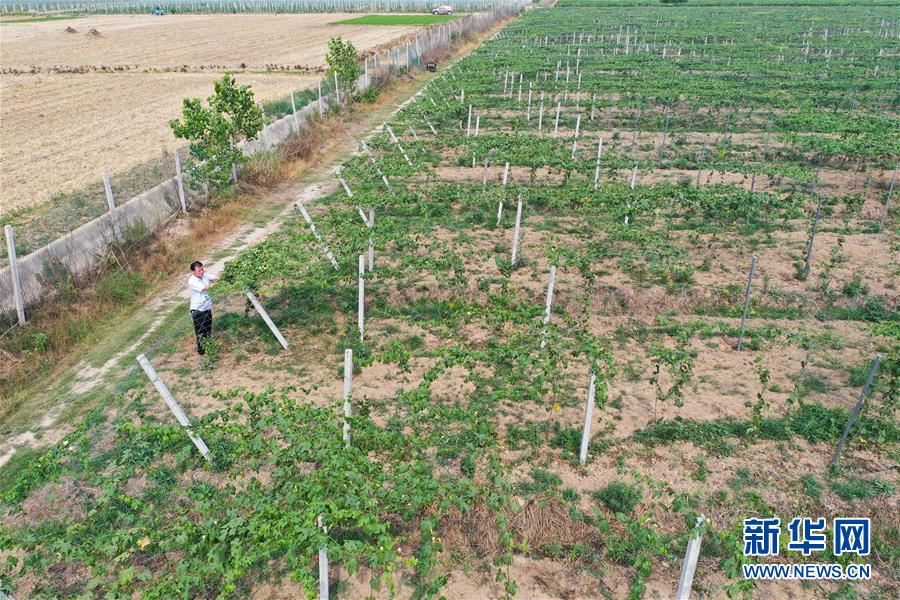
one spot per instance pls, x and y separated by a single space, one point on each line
856 287
619 496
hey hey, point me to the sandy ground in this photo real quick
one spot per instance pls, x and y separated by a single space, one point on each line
70 126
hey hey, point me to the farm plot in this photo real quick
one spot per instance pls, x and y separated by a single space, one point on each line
77 104
429 410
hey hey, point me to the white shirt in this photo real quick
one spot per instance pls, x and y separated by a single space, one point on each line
200 299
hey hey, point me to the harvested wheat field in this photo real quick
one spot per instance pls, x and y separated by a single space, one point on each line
77 103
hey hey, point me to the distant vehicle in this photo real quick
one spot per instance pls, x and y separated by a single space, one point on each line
431 65
442 10
158 11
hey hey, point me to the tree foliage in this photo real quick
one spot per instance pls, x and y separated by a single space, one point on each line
230 117
343 59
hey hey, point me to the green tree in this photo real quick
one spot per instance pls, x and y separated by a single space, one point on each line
343 59
213 131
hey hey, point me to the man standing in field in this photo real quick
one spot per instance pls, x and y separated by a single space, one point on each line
201 303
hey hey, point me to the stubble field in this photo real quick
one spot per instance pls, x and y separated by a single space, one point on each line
76 104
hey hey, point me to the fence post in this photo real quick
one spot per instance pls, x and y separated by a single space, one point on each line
856 409
294 113
179 176
348 389
262 312
588 414
321 111
746 302
14 273
690 561
111 203
172 404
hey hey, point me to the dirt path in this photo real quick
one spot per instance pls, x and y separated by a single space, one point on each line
80 387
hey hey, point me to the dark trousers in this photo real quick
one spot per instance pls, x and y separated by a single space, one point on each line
202 326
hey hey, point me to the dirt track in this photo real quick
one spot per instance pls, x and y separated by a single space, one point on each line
68 127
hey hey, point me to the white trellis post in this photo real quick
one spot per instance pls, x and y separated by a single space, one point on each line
588 415
265 316
477 124
528 112
323 563
14 273
371 225
633 176
575 139
397 141
541 117
325 249
690 561
549 306
597 168
337 89
469 122
172 404
505 173
515 244
179 179
361 318
556 122
348 389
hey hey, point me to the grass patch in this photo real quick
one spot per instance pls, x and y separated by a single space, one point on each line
861 489
396 20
